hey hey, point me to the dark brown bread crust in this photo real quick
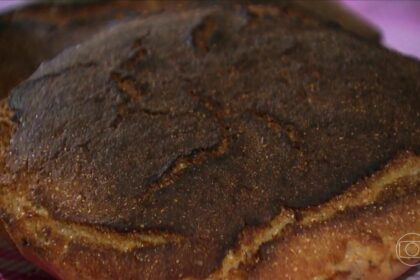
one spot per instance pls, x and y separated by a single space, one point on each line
33 34
178 132
38 32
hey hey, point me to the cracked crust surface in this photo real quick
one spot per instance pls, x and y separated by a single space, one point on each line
40 31
215 143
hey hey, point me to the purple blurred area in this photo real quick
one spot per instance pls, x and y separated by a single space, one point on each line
398 21
6 5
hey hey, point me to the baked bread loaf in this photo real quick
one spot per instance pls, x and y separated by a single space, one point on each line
40 31
228 142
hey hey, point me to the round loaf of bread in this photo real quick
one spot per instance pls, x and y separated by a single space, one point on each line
232 141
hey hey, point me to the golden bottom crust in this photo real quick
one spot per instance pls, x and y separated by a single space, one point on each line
352 236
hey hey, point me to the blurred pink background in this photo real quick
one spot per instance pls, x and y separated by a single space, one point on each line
9 4
399 22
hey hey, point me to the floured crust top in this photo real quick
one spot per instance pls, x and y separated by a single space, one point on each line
180 131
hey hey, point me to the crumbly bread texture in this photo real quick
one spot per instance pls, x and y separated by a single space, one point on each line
243 141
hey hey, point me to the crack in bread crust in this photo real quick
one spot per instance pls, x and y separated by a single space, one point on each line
18 211
288 129
36 220
362 194
250 242
366 192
